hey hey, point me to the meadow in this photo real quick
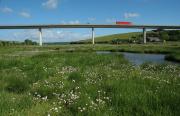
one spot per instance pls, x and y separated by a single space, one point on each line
74 80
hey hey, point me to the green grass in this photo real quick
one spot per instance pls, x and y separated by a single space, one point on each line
109 38
170 48
73 80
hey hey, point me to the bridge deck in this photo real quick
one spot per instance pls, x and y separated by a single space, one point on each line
89 26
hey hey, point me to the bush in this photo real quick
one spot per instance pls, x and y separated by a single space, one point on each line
29 42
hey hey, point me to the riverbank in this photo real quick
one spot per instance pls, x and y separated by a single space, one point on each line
173 57
138 59
171 50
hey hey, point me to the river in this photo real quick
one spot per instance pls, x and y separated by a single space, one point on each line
140 58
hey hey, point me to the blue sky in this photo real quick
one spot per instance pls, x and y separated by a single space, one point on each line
81 12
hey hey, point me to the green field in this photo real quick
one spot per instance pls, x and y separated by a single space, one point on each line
74 80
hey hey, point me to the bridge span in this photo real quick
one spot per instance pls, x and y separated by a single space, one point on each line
92 26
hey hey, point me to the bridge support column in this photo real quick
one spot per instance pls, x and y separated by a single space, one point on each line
93 36
144 36
40 37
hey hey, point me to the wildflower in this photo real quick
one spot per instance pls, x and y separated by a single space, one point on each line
44 98
84 108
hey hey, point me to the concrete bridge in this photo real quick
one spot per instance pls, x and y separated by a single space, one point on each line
92 26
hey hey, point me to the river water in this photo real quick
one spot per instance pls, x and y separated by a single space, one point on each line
140 58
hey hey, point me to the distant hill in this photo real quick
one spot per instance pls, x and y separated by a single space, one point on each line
167 35
109 38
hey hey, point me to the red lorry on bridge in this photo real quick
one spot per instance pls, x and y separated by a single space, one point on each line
123 23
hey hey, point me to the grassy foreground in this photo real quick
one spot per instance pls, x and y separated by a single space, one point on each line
81 83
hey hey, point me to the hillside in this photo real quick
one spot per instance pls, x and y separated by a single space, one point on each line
108 38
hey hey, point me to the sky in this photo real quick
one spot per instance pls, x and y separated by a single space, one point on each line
12 12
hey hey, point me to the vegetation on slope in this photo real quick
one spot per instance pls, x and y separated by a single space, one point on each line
168 35
125 36
110 38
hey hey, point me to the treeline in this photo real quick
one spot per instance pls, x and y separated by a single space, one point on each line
168 35
12 43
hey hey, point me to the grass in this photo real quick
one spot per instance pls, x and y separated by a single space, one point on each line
72 81
109 38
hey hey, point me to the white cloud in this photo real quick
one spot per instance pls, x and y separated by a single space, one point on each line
131 15
74 22
6 10
91 19
25 14
51 35
63 22
50 4
71 22
111 20
25 34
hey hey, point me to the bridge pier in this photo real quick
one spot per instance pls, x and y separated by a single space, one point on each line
40 37
93 36
144 36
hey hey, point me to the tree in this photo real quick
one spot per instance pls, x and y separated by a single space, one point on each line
116 41
28 42
1 44
164 36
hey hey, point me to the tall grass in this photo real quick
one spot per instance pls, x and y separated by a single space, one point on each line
79 83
